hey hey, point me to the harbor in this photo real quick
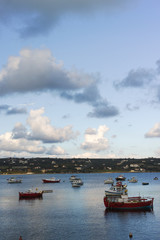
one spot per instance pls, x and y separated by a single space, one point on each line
81 211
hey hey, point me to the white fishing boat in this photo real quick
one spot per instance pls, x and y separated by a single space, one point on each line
14 180
77 182
109 181
121 178
116 190
72 178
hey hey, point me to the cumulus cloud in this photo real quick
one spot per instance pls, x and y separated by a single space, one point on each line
95 139
41 129
33 17
153 132
19 131
38 71
32 140
136 78
55 150
8 143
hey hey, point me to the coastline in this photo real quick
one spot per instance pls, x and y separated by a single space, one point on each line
75 173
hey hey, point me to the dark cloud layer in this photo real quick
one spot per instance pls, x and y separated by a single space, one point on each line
142 78
4 107
16 111
33 17
103 110
9 110
136 78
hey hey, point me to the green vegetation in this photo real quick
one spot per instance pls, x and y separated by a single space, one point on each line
61 165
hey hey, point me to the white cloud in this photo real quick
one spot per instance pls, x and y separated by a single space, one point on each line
87 155
55 150
153 132
41 129
8 143
95 139
23 141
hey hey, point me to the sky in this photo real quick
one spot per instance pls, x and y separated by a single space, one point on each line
80 79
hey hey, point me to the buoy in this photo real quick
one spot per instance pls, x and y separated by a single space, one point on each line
130 235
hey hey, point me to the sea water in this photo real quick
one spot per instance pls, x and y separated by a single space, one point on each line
70 213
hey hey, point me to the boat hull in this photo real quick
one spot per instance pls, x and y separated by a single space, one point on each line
51 181
14 180
138 204
113 193
120 179
18 181
29 195
76 185
108 181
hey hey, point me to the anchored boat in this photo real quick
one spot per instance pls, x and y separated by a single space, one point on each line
121 178
109 181
51 180
14 180
123 202
30 194
133 180
119 200
77 182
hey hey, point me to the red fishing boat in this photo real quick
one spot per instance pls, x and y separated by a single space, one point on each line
51 180
30 194
123 202
120 178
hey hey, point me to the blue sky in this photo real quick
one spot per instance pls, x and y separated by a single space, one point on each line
80 78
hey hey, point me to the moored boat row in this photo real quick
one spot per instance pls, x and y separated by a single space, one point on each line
116 197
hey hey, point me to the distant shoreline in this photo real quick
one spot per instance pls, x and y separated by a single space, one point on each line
16 166
6 174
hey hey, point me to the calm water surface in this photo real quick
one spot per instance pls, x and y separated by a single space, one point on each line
68 213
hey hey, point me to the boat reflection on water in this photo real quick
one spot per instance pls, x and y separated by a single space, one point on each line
31 200
137 211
